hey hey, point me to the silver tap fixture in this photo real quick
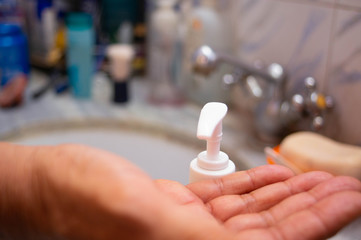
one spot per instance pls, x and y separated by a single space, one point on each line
274 114
312 104
205 60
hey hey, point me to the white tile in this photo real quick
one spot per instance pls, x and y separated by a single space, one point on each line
350 3
292 34
345 76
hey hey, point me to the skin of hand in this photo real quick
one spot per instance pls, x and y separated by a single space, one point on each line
12 93
77 192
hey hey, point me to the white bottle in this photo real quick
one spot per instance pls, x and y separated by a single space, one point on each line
163 38
211 163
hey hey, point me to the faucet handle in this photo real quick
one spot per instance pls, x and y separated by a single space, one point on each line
231 79
276 71
312 104
249 83
310 83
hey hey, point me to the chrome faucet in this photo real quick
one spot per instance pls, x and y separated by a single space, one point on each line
274 115
205 60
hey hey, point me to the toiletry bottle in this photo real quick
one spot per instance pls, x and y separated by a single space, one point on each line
14 64
211 163
80 58
47 17
139 39
120 57
185 7
162 45
102 91
41 24
206 26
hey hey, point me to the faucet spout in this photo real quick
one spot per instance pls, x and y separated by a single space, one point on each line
205 60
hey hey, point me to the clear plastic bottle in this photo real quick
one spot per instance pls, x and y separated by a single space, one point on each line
164 22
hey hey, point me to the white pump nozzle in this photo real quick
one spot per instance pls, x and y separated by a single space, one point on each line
210 127
211 163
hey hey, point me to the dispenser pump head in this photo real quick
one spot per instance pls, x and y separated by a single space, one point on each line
211 163
210 127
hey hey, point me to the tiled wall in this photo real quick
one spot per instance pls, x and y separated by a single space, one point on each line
319 38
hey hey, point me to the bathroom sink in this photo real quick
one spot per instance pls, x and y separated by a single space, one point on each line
157 154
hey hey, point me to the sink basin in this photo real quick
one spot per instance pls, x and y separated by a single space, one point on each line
157 154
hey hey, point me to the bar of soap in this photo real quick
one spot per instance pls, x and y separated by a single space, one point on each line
310 151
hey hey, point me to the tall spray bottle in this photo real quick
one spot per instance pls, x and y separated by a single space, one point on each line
211 163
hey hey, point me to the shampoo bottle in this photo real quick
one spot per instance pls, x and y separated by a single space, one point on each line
211 163
80 47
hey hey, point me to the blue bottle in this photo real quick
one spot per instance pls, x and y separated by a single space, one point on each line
14 56
80 58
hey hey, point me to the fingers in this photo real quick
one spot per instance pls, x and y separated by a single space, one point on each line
293 204
240 182
225 207
324 218
320 221
306 199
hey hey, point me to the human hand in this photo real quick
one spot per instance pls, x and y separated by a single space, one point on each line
12 93
76 192
270 203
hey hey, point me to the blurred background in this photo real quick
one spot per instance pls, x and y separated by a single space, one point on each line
68 43
100 72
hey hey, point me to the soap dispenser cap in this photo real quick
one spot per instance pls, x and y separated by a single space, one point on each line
211 163
210 129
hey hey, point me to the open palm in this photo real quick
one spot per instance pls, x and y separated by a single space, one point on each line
269 202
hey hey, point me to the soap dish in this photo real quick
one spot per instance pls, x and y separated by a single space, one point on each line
273 156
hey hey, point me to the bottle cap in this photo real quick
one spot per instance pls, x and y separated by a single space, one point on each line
210 127
120 56
79 21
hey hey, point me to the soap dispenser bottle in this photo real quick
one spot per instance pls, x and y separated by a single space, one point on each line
211 163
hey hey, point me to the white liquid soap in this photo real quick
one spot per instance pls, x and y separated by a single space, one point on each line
211 163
